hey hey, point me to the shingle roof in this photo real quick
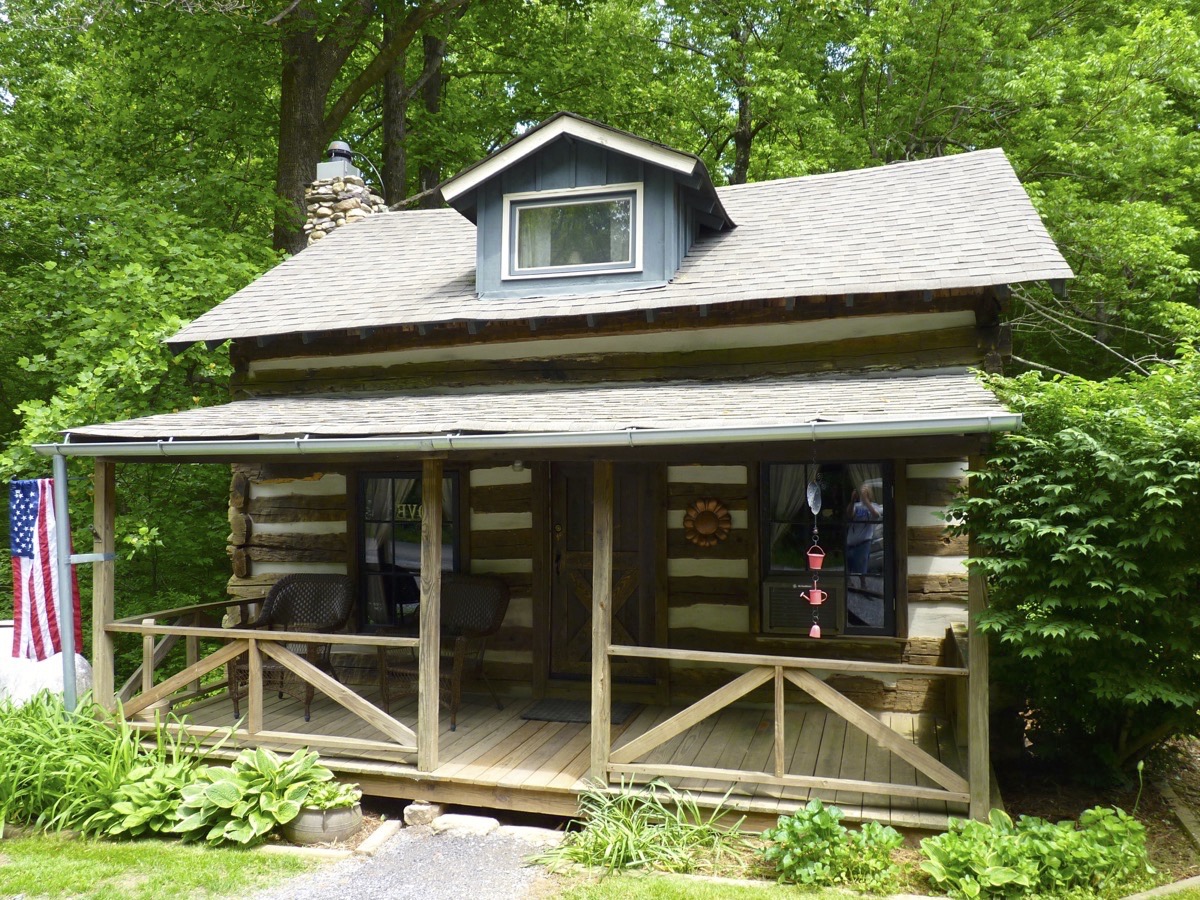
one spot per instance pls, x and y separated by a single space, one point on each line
859 397
953 222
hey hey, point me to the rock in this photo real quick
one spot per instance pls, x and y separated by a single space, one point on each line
457 824
538 837
345 205
316 236
422 813
356 214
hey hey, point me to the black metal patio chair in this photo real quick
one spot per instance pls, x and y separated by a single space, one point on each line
311 603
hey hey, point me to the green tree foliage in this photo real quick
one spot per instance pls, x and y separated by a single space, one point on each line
131 204
1084 522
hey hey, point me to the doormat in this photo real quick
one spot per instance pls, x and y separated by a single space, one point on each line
574 711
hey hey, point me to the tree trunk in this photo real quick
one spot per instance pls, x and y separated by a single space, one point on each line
431 97
743 132
395 132
302 137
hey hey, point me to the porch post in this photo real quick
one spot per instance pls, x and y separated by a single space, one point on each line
104 525
978 713
602 544
429 676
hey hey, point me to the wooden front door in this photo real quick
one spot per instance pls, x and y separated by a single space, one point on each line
635 510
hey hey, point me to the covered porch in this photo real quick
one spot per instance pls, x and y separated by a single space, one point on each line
768 723
761 757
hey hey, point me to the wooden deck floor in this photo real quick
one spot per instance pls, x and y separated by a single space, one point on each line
499 760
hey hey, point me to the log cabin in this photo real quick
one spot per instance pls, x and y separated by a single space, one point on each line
666 417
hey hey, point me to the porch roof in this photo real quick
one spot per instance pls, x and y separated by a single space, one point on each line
796 407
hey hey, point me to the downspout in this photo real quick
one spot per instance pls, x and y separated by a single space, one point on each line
66 594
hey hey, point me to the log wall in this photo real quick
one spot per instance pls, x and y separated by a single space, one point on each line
502 544
937 576
292 519
284 519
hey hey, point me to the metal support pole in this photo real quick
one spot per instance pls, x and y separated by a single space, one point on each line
66 596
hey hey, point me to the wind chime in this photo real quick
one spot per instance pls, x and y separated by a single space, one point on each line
816 557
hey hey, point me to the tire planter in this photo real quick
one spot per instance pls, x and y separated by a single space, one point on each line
323 826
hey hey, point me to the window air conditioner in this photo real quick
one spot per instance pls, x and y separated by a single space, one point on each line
786 610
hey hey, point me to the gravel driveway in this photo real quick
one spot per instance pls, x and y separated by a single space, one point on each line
418 864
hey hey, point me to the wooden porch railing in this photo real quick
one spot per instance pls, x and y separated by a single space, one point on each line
779 671
257 644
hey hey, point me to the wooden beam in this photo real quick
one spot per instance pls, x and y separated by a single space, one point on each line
161 650
340 694
191 653
540 581
241 735
780 762
170 685
104 525
877 731
147 658
701 709
840 666
429 675
291 637
602 574
182 611
979 766
254 687
652 770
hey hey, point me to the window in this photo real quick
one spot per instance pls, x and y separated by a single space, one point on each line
854 527
572 233
390 546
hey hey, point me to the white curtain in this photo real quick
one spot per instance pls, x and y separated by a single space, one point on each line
379 550
789 484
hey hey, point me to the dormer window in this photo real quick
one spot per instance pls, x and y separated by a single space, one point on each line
574 232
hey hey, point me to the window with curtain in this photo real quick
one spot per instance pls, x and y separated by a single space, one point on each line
853 527
569 234
389 561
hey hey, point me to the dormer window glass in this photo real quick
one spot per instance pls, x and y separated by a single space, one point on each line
594 230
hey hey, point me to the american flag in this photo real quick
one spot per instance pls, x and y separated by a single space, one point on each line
35 575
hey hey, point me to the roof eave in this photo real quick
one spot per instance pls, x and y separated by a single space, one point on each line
574 126
967 423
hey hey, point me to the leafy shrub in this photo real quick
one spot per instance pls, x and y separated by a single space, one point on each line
813 847
655 829
147 801
60 768
1085 522
1104 856
88 770
242 803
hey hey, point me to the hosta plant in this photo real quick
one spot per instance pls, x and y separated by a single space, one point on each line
1103 856
243 802
147 801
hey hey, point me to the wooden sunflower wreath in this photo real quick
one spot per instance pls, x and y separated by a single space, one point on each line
706 523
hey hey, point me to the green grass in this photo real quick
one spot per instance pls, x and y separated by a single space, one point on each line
673 887
139 870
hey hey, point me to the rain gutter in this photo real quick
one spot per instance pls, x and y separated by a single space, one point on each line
617 438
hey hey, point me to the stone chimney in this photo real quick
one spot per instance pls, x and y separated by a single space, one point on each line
339 196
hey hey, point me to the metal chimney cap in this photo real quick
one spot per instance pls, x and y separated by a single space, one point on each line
339 150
